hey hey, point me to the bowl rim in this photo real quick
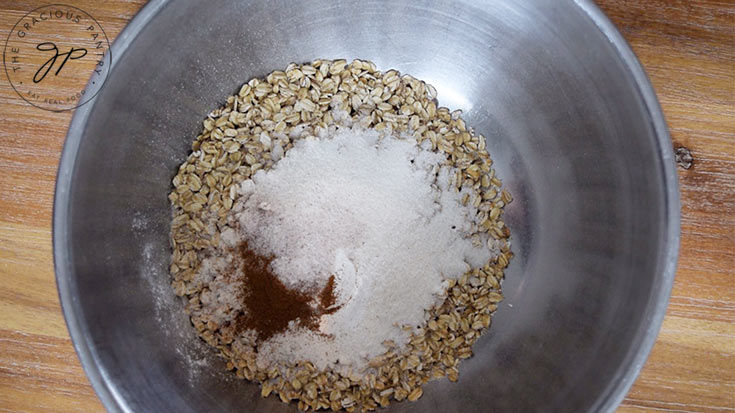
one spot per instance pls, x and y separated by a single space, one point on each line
609 398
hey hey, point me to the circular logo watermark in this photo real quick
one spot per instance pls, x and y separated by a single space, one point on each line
51 53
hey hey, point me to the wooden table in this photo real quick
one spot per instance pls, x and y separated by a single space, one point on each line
688 50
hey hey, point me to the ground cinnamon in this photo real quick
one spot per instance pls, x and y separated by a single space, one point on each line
269 305
327 298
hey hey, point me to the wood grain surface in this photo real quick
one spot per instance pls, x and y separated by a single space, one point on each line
686 46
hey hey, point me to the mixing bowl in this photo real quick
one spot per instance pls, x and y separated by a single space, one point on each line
570 119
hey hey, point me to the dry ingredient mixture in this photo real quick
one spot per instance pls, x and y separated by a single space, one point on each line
338 236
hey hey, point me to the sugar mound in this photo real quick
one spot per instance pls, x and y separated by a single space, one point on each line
378 214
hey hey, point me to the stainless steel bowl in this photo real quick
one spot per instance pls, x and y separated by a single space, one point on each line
570 118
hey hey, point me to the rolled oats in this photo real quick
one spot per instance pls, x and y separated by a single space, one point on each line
251 132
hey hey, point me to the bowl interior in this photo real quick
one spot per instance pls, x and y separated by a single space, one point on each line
569 125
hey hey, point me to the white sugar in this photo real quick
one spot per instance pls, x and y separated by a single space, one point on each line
379 215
